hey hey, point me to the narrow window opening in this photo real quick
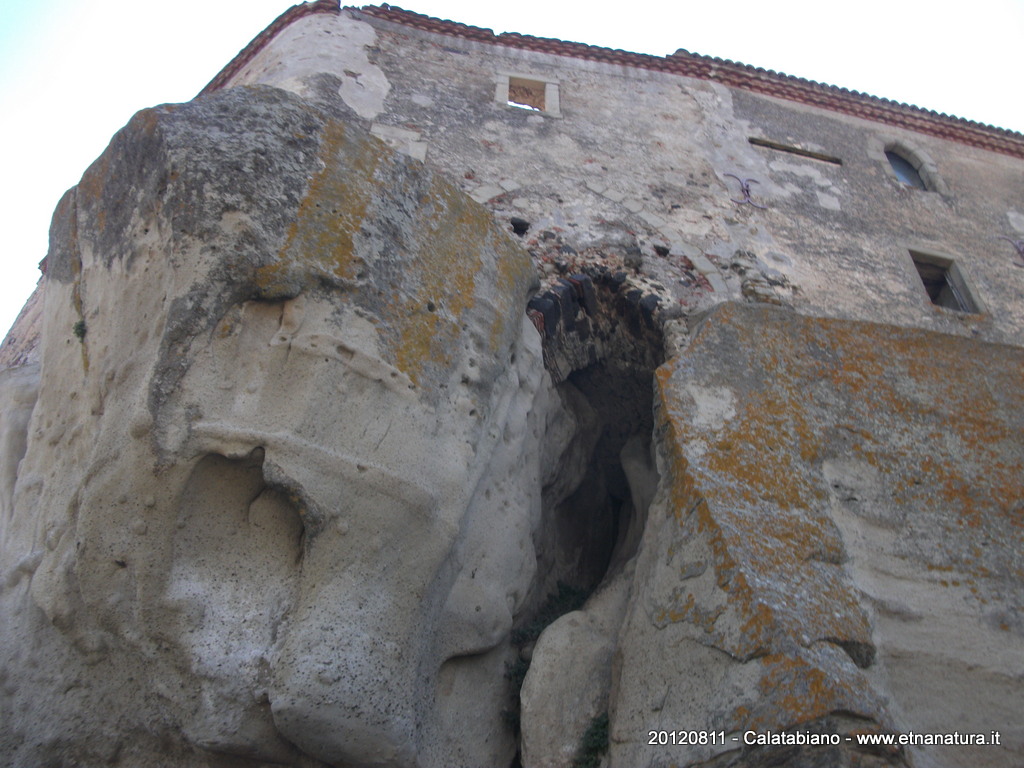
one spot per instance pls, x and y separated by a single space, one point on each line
905 170
758 142
943 283
526 94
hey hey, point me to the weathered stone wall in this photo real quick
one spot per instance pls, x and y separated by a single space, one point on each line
636 158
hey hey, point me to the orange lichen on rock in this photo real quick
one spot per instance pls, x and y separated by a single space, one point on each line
444 253
321 236
774 552
748 487
796 689
446 268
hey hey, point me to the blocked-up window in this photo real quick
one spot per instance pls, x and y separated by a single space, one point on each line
532 94
526 94
907 162
944 283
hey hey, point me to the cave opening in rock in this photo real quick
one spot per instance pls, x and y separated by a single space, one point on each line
598 470
592 530
603 474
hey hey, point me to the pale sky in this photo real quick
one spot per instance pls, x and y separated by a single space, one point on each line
72 72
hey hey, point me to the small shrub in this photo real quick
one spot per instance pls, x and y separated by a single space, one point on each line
593 744
565 600
558 603
79 330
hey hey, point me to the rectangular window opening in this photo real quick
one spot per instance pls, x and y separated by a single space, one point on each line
943 283
526 94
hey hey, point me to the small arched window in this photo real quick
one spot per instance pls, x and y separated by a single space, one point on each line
904 170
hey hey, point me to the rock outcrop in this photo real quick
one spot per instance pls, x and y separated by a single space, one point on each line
835 502
277 494
295 455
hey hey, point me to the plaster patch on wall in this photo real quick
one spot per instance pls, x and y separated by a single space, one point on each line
809 171
488 191
401 139
366 89
323 43
827 201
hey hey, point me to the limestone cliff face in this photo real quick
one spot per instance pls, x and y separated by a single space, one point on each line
834 547
285 480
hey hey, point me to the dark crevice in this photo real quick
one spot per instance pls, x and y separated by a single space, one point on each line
602 343
591 517
519 226
862 654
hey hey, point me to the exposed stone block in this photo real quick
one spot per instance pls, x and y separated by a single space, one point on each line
549 308
702 264
717 284
486 192
585 292
648 304
652 218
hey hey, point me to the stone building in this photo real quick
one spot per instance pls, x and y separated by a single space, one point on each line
658 397
859 207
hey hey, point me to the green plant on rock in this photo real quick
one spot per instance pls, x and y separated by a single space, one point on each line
558 603
79 330
593 744
566 599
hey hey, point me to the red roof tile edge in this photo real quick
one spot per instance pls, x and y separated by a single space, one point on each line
682 63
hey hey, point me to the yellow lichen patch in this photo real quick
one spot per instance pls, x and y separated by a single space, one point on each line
809 390
770 432
424 341
935 458
687 610
416 253
793 690
748 550
320 239
514 274
443 273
